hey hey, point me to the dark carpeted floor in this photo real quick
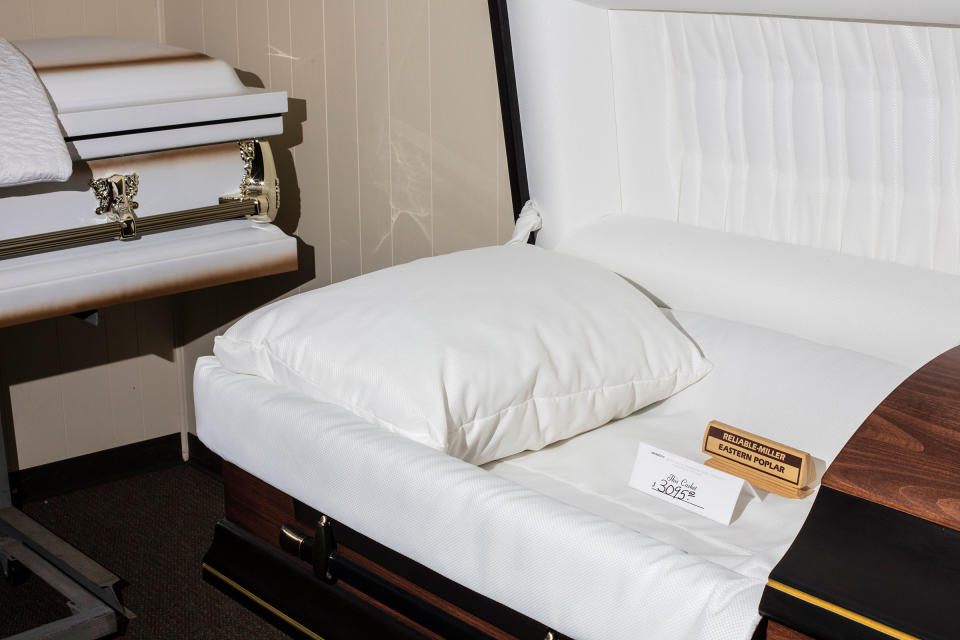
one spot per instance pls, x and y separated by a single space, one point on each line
151 530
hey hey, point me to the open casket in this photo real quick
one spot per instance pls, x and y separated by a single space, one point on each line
153 131
787 188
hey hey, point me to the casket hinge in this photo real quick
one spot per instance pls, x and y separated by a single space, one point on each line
259 183
115 195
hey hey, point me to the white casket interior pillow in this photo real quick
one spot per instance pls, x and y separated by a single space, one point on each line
480 354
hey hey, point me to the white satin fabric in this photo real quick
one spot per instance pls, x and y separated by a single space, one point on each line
580 574
906 315
557 534
480 354
836 135
926 11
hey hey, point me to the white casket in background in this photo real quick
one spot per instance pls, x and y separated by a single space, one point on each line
171 116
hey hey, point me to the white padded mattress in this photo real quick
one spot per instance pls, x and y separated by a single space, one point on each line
557 534
791 390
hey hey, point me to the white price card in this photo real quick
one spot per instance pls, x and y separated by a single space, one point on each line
686 483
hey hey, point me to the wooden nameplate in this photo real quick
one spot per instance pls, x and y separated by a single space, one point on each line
765 464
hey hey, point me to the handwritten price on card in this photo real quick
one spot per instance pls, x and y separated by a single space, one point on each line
685 483
676 488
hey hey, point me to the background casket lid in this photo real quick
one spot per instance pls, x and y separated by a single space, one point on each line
103 86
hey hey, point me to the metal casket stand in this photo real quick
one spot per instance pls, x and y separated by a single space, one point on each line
25 546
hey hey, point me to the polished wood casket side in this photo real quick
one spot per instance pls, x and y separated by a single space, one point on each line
879 553
906 456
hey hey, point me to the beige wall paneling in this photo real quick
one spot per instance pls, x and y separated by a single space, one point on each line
140 19
340 46
465 109
410 135
76 388
220 30
253 43
183 23
279 37
100 17
280 78
309 95
120 375
161 382
56 18
31 368
373 127
16 19
85 387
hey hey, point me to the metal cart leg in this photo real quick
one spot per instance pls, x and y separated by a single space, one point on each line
88 587
6 500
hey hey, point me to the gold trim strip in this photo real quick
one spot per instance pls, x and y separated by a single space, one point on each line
111 230
266 605
840 611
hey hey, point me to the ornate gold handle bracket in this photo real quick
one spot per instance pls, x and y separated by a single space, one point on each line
259 183
116 196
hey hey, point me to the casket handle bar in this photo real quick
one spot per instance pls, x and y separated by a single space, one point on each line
257 200
330 566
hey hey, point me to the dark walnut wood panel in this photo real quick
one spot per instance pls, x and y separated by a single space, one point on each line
261 509
256 506
776 631
906 455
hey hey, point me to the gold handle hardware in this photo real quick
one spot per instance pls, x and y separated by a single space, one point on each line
259 183
258 200
115 195
114 229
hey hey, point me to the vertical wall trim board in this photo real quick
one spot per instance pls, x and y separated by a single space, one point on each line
356 122
393 219
326 116
433 223
182 376
161 20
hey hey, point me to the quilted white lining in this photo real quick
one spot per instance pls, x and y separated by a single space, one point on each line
31 144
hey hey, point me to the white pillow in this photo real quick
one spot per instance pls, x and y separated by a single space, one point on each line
480 354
